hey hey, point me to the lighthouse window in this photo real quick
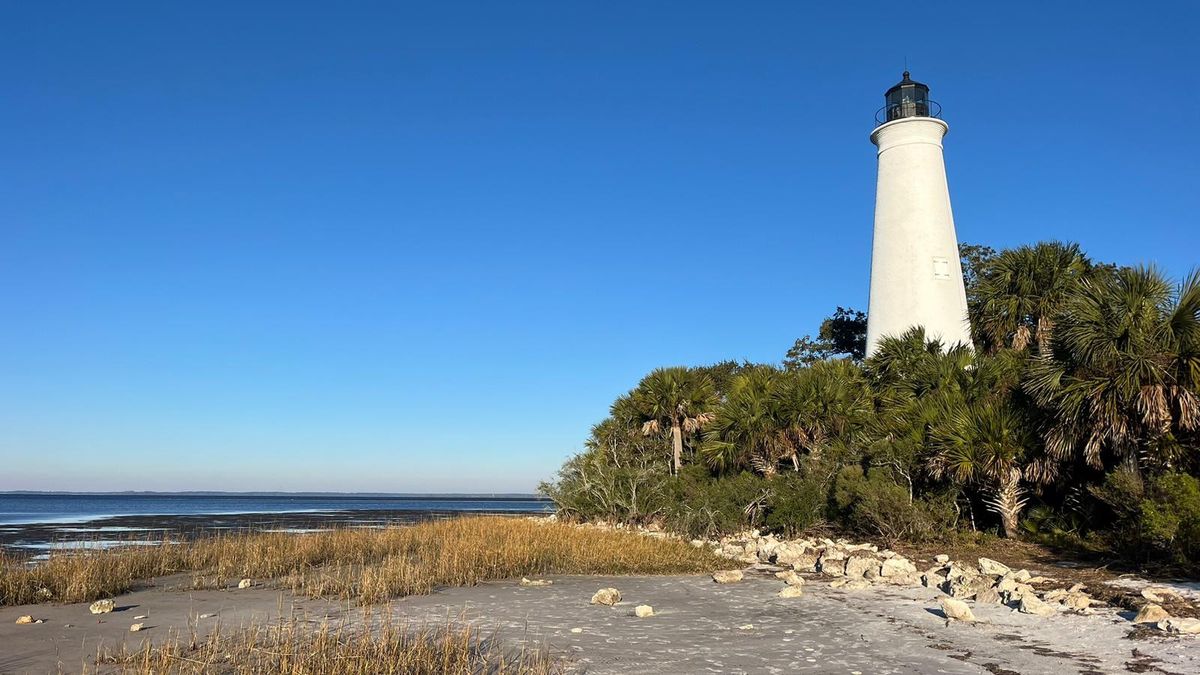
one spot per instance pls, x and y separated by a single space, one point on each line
941 268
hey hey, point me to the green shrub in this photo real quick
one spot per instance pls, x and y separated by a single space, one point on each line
797 503
588 487
701 505
1170 517
871 502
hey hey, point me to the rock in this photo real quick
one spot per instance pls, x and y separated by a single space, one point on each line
848 584
858 567
1055 595
102 607
895 566
960 571
905 579
790 578
136 627
43 594
806 562
207 616
1151 613
791 552
696 543
1180 626
24 619
768 552
728 576
993 568
956 610
576 630
959 589
139 617
1159 595
747 626
245 583
606 596
1076 588
791 592
1022 575
535 582
1031 605
1077 601
932 579
832 563
643 611
989 595
941 559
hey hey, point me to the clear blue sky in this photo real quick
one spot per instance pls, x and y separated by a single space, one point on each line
422 246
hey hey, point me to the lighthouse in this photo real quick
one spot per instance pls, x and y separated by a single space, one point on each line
916 276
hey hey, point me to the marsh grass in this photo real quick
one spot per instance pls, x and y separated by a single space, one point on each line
362 565
294 646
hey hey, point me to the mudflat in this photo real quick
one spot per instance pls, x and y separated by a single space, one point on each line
698 626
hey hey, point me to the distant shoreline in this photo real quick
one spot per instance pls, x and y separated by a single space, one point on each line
317 495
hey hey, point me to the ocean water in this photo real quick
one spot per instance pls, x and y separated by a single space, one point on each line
25 509
35 524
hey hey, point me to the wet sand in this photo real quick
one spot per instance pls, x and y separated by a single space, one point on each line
699 627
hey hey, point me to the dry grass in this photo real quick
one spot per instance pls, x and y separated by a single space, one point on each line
293 646
358 564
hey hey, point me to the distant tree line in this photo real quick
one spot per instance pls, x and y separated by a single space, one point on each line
1073 419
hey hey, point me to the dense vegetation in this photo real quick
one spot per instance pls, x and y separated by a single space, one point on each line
1074 418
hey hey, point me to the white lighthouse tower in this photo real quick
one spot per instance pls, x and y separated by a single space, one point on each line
916 277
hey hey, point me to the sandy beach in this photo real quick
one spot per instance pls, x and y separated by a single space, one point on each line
698 626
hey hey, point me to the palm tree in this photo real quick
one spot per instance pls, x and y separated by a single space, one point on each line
985 443
821 403
677 398
746 430
1124 378
1021 291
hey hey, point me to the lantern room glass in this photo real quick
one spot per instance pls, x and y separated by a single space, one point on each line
907 99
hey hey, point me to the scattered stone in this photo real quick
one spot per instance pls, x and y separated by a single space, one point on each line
1151 613
245 583
956 610
932 579
859 566
1076 588
1159 595
790 578
102 607
606 596
1057 594
988 595
941 559
791 592
206 616
643 611
896 566
832 563
24 619
727 576
576 630
1077 601
905 579
1031 605
139 617
993 568
136 627
849 584
43 594
535 582
748 626
1180 626
806 562
1022 575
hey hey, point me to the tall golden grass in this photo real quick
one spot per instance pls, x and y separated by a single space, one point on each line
292 647
363 565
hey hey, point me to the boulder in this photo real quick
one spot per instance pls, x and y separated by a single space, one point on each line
535 582
1055 595
24 619
728 576
1077 601
790 578
932 579
806 562
1180 626
1031 605
768 551
895 566
791 592
959 589
956 610
832 563
848 584
643 611
993 568
905 579
1159 595
1022 575
941 559
989 595
1151 613
102 607
136 627
858 567
245 583
606 596
791 552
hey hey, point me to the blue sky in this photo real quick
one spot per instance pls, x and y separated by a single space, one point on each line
422 246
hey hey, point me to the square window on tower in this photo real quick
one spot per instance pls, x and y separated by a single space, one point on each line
941 268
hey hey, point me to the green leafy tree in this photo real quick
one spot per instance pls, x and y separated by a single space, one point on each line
843 333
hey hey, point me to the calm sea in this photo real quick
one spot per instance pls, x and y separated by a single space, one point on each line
35 523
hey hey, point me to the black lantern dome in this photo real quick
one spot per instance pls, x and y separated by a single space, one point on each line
908 98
